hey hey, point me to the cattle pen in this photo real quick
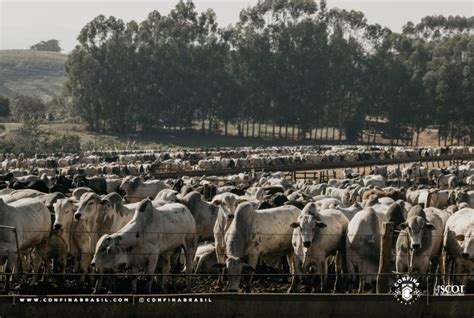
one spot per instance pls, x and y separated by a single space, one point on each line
321 171
69 294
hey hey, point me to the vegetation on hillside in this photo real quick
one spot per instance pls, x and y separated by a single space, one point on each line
50 46
32 72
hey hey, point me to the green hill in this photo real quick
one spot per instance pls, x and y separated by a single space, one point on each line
31 72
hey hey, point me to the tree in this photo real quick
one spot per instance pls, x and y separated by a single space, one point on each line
4 106
26 108
50 45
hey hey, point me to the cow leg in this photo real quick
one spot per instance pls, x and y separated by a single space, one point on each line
152 262
98 283
84 268
8 270
189 252
362 273
166 265
220 255
252 261
37 260
295 269
324 275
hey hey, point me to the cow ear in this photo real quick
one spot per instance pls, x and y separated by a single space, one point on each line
217 202
321 224
294 225
402 226
430 226
459 237
144 205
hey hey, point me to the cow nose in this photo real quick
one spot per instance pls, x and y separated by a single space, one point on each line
93 263
465 255
415 246
307 244
57 226
77 216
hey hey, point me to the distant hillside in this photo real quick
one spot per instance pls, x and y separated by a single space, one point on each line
31 72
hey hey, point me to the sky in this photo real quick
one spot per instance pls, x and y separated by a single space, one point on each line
27 22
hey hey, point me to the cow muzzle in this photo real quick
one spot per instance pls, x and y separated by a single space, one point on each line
415 246
307 244
465 255
77 216
57 226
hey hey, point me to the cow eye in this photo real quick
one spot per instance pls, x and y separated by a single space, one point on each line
90 203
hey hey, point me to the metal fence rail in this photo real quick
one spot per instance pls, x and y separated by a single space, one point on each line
309 167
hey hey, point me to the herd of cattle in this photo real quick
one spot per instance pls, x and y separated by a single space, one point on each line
137 163
76 216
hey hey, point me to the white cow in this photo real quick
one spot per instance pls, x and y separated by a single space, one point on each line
136 189
318 235
419 241
458 243
255 234
205 215
150 233
363 244
32 223
73 233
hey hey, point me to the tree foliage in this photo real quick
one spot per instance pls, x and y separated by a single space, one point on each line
286 62
50 45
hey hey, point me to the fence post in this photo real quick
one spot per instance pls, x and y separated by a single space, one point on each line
385 258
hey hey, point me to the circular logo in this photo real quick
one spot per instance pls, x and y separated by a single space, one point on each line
406 290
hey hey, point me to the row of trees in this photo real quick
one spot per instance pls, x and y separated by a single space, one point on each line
286 62
49 45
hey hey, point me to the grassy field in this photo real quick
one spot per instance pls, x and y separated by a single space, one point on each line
31 72
99 141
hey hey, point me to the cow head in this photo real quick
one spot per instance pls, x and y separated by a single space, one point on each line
309 224
129 183
63 212
417 227
110 252
468 246
90 206
227 204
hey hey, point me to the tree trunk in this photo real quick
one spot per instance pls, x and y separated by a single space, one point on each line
417 136
210 125
451 134
286 131
225 127
333 133
248 124
273 130
253 128
293 133
203 127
